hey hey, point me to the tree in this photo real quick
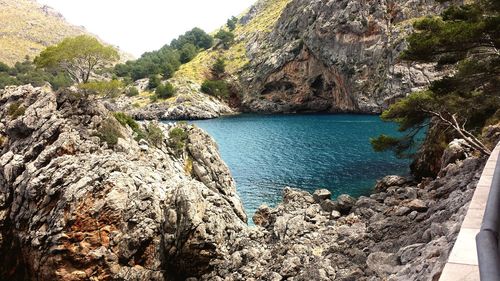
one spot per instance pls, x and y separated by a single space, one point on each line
79 56
219 68
154 82
217 88
468 37
165 91
106 89
231 23
195 36
226 38
188 52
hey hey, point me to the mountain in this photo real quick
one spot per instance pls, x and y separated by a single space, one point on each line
320 56
27 27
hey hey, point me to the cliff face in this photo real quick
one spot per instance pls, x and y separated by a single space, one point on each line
335 56
72 208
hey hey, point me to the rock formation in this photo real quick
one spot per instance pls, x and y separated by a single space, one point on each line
335 56
74 208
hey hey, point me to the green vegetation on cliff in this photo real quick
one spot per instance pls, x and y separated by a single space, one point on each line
467 37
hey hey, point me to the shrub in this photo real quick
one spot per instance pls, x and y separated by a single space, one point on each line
132 92
154 82
226 38
217 88
231 23
127 120
165 91
177 139
219 68
188 52
15 110
107 89
154 134
109 133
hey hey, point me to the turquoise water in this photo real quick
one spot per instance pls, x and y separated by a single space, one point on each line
265 153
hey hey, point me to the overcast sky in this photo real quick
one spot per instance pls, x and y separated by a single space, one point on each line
137 26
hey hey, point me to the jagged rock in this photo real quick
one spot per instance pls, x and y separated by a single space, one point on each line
293 70
416 205
389 181
74 208
458 149
321 195
345 203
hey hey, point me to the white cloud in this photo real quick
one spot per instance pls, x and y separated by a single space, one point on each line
144 25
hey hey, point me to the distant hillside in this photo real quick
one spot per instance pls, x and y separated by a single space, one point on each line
27 27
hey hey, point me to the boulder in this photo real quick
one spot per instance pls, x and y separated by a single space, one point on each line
321 195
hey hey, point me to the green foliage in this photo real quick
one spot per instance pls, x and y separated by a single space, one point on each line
469 37
132 92
219 68
154 82
196 36
109 133
217 88
177 139
231 23
107 89
154 134
167 60
226 38
78 56
126 120
26 73
188 52
4 67
165 91
15 110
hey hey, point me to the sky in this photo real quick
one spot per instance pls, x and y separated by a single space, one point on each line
137 26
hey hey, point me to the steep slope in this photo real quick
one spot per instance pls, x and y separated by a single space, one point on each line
27 27
320 56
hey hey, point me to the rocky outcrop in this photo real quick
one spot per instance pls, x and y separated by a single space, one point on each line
335 56
81 199
188 104
404 231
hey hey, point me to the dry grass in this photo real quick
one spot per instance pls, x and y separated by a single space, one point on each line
236 58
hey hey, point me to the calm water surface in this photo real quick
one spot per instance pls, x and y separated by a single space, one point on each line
265 153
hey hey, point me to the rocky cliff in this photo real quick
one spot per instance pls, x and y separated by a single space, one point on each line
73 207
83 197
335 56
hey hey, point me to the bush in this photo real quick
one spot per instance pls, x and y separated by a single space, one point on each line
107 89
132 92
154 82
127 120
15 110
165 91
231 23
188 52
177 139
226 38
219 68
109 133
154 134
217 88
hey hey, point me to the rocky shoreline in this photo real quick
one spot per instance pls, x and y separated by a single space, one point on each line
76 204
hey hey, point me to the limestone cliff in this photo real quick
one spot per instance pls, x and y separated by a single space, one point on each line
335 56
74 208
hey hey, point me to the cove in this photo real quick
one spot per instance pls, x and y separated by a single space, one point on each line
266 153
